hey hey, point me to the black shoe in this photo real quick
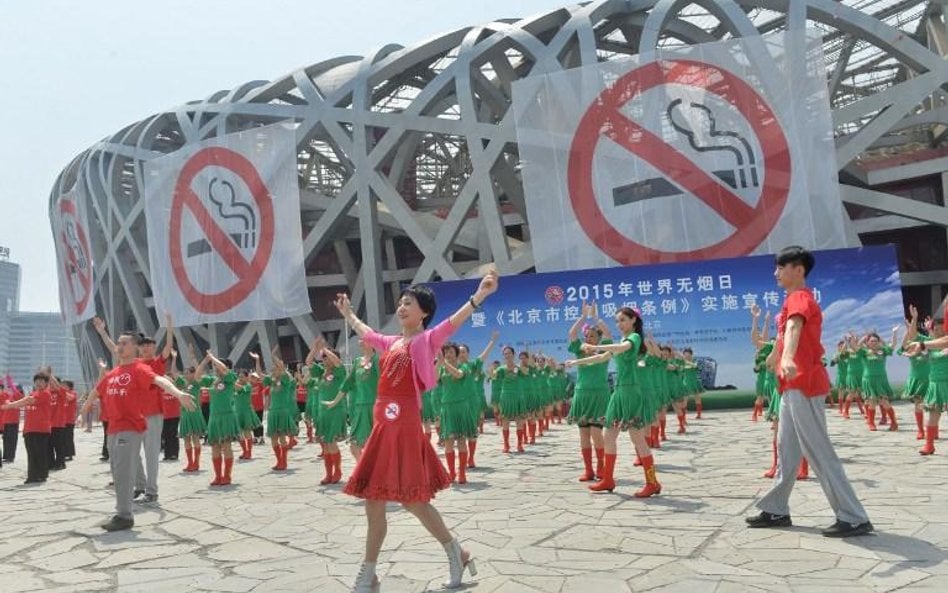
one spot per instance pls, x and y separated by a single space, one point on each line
117 523
765 519
843 529
104 458
136 493
34 481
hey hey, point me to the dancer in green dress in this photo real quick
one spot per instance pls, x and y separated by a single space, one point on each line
841 361
222 426
246 418
361 387
507 382
281 413
476 397
591 392
330 421
762 348
916 387
936 397
192 427
457 423
629 408
875 382
854 373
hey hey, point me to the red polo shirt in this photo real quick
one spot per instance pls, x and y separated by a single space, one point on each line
152 402
256 396
811 379
122 390
70 408
10 416
38 414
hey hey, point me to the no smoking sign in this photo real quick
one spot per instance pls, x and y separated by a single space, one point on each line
697 103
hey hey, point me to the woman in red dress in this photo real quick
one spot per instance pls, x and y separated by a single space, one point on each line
398 464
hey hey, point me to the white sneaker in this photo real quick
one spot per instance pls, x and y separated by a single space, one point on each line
366 581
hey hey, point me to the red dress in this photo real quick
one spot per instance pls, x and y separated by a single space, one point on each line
398 462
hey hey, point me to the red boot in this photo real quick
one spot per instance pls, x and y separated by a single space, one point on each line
462 467
336 468
218 477
588 475
471 449
773 467
871 418
228 469
190 453
681 422
920 421
883 416
293 443
652 487
249 448
243 449
931 433
328 468
279 457
754 414
600 460
284 456
197 459
449 457
309 434
506 440
606 483
521 437
655 438
532 428
698 408
803 472
661 429
893 422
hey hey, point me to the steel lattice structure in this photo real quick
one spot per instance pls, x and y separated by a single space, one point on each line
408 162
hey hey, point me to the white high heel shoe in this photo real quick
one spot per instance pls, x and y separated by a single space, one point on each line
457 565
366 581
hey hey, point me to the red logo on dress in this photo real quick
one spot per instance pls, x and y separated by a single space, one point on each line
123 379
392 411
554 295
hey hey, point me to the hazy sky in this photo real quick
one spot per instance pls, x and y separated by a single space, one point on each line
74 72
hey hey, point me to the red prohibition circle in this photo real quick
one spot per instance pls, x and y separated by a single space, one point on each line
248 273
604 118
68 208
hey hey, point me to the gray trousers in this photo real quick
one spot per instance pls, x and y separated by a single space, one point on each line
802 431
123 451
146 477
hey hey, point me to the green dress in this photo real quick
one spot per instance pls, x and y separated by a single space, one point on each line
676 387
474 389
875 380
689 378
313 408
772 389
192 421
510 384
936 398
222 422
919 368
760 368
362 386
629 407
591 393
646 379
854 373
429 404
246 418
456 419
841 362
331 422
281 415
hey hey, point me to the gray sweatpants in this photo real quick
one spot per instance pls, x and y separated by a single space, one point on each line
146 477
802 430
123 451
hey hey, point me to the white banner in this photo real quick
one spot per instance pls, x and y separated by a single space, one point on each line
708 151
224 234
73 257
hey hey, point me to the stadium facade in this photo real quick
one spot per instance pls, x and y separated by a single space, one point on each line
408 161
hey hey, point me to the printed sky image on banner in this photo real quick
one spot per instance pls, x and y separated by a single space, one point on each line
704 305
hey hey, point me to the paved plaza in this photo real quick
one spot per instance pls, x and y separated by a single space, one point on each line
530 525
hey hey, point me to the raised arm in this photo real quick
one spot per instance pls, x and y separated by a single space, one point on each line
331 356
165 384
490 345
217 363
169 338
344 306
578 362
318 344
574 330
487 287
612 348
256 364
755 317
99 325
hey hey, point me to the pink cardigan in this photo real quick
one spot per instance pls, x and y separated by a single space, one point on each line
423 350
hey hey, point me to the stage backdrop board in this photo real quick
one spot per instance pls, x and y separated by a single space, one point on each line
704 305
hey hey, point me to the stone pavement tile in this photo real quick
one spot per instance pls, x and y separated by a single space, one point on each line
888 576
250 550
179 579
14 582
57 547
231 585
63 562
596 582
121 557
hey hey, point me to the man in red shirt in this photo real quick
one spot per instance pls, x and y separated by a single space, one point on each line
37 426
803 385
146 480
123 389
